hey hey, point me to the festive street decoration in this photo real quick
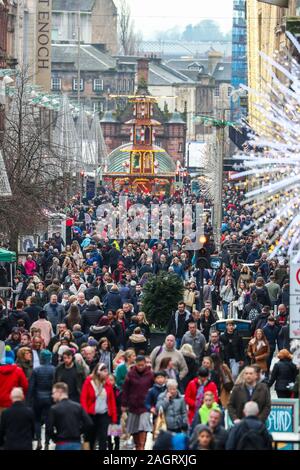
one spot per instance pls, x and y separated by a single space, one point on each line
272 167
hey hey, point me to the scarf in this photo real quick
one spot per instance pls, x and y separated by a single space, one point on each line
200 396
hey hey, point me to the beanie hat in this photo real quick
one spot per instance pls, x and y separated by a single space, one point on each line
45 356
9 356
92 342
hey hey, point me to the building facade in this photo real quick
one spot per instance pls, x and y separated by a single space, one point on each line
98 22
267 22
239 58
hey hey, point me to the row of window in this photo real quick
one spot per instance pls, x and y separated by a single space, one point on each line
121 85
56 84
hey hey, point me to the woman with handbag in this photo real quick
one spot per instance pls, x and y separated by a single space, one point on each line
98 400
173 405
259 350
225 379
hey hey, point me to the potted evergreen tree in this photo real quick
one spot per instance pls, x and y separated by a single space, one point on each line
161 295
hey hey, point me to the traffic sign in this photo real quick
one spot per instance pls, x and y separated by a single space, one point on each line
215 263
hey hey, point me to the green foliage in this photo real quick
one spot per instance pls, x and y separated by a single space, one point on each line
161 295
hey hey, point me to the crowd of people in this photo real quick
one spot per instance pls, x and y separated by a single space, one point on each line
76 351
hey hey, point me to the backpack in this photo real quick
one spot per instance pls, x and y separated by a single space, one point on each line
253 314
254 439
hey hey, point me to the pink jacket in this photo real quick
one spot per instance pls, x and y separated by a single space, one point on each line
30 267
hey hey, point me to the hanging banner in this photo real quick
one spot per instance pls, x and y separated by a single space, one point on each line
43 44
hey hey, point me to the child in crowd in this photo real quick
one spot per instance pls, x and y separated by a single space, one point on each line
208 405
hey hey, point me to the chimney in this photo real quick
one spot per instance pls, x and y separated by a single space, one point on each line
213 58
143 71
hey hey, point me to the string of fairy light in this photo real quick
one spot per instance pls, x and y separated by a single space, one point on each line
272 167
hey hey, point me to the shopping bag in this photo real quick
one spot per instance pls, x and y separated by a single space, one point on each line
160 423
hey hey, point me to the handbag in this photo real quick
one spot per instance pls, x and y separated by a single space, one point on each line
160 424
114 430
227 380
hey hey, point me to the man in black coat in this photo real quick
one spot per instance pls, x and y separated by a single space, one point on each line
39 394
178 323
234 354
90 316
17 424
67 420
69 373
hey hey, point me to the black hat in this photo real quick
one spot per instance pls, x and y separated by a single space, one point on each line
203 372
160 373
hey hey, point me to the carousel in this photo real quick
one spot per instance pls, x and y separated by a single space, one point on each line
141 166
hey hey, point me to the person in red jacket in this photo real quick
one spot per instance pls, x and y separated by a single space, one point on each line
11 376
194 393
98 400
138 381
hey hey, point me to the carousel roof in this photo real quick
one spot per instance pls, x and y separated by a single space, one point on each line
120 155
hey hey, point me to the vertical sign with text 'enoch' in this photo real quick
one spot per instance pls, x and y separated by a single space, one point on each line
43 44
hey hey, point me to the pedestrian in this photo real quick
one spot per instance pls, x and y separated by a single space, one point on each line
178 323
168 350
271 331
196 339
205 438
233 348
45 326
135 388
67 420
24 360
192 365
250 433
123 368
249 390
70 373
17 423
98 400
194 393
219 433
284 374
105 353
40 395
259 350
55 311
174 408
11 376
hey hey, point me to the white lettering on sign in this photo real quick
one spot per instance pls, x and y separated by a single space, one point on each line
279 421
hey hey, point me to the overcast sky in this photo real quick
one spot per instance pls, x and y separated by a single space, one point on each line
159 15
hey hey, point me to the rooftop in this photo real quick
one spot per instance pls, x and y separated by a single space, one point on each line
91 58
72 5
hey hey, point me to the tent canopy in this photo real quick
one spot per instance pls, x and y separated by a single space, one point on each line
7 256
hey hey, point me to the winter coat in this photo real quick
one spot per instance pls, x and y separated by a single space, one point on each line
11 376
191 394
139 343
240 396
80 378
88 399
193 366
283 373
124 292
17 427
259 322
153 394
4 325
46 329
90 317
30 267
55 315
135 389
33 312
99 332
250 310
271 333
40 385
197 342
16 315
262 295
233 346
259 356
250 422
42 298
160 352
284 338
112 301
174 410
178 324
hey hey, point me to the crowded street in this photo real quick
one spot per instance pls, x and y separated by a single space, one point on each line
149 230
